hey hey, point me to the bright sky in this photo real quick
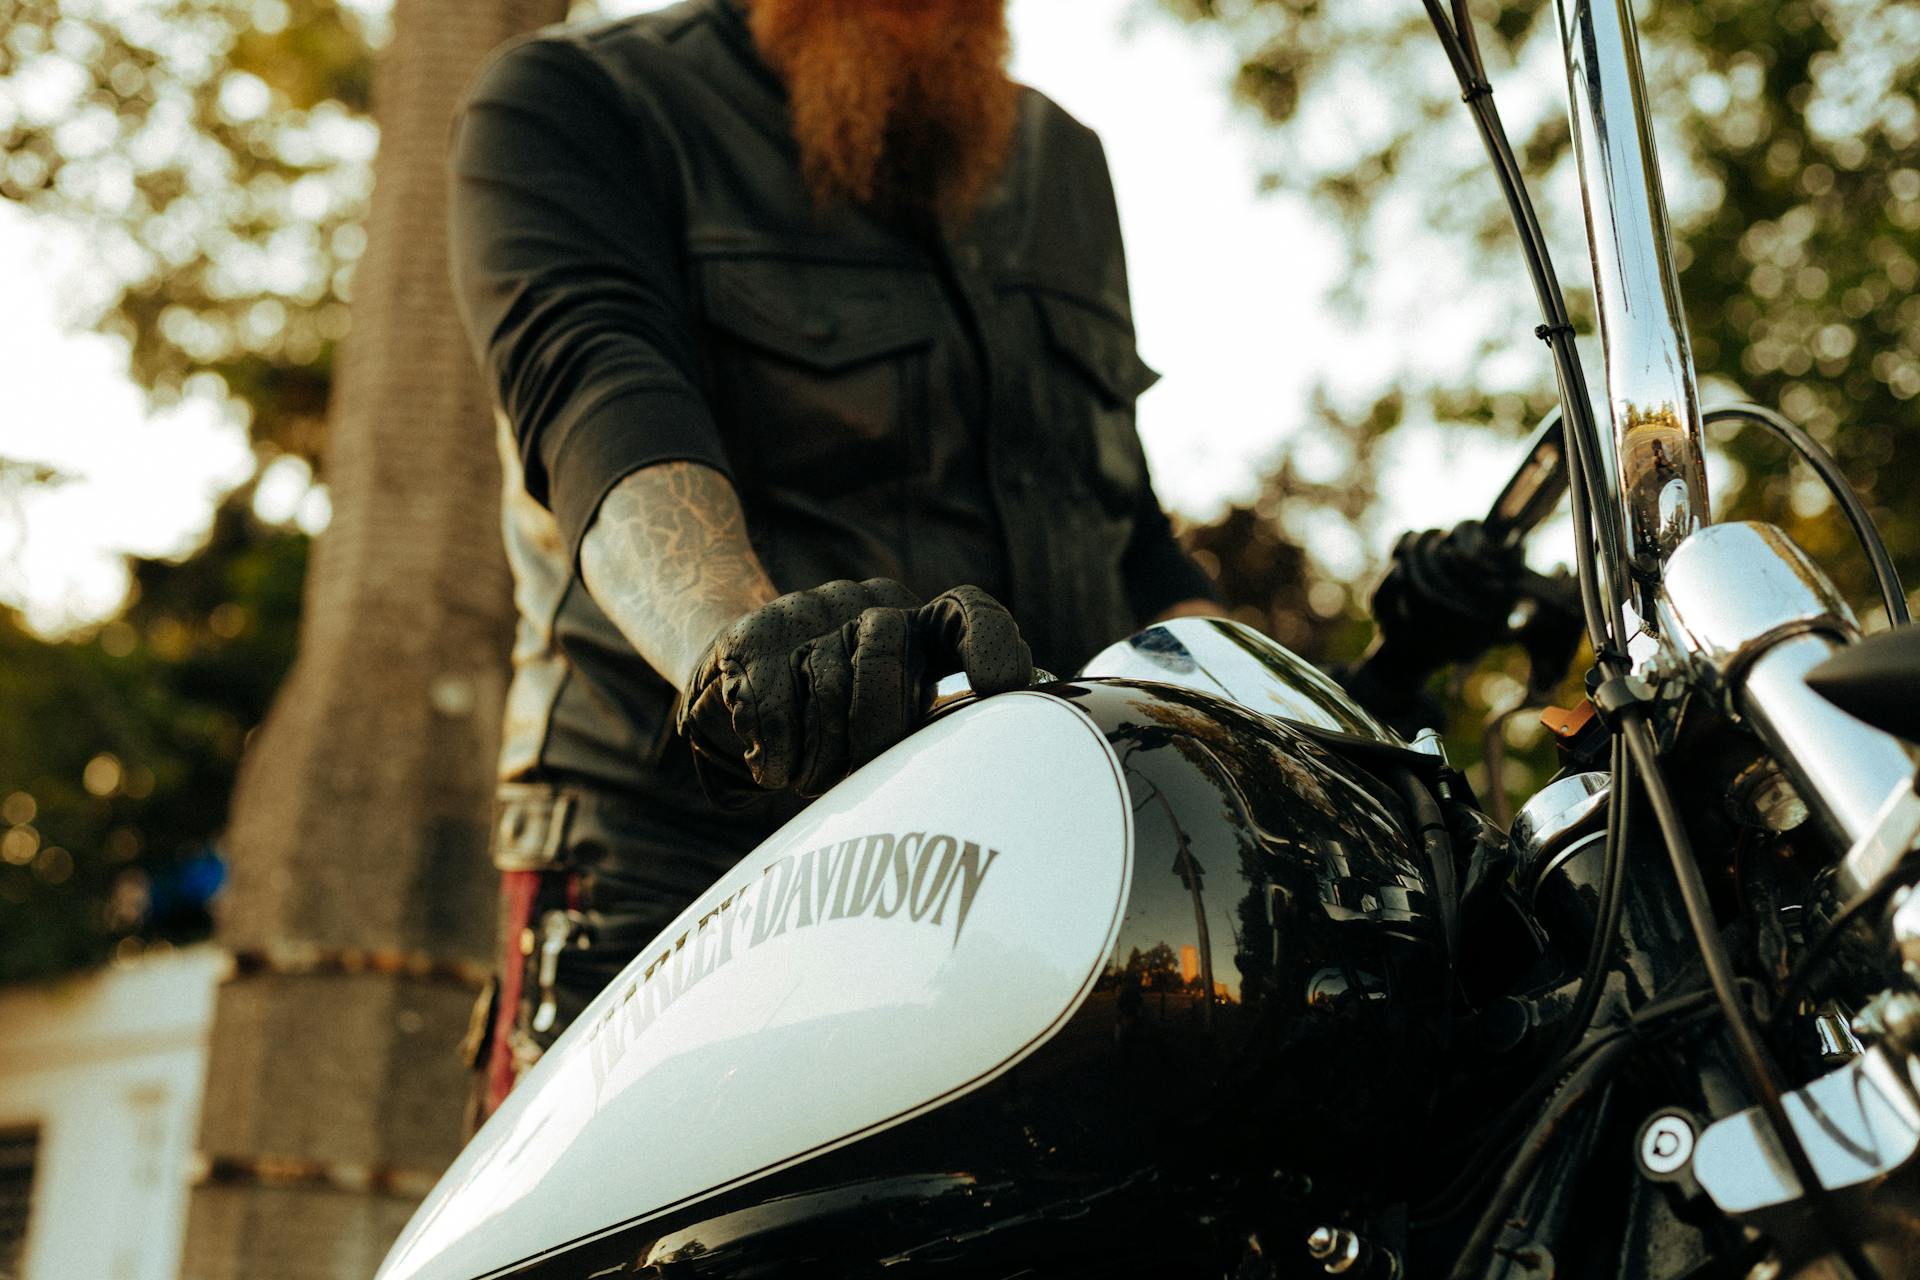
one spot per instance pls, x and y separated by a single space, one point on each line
1227 293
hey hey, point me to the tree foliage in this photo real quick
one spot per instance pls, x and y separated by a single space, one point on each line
216 154
1790 140
117 750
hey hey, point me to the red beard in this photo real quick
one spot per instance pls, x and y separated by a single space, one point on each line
903 106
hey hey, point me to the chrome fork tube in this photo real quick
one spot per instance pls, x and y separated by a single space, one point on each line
1650 383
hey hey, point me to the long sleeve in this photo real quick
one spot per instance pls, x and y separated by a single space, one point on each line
1157 569
567 267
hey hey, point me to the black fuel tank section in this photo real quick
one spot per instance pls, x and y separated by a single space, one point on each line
1266 1033
1279 987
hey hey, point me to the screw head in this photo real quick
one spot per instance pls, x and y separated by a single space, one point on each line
1666 1143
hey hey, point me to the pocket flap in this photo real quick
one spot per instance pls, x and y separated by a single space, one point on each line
824 316
1098 346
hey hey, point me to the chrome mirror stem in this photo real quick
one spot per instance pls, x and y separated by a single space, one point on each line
1650 383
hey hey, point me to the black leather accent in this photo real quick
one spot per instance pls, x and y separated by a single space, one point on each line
811 686
648 278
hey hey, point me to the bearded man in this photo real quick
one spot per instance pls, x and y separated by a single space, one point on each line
777 296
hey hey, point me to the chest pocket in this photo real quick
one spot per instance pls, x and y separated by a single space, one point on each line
818 370
1087 392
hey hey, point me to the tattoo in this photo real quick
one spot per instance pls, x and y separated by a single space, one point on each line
667 557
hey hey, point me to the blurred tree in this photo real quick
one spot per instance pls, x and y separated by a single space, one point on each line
360 823
1258 551
119 748
215 156
1156 969
1790 138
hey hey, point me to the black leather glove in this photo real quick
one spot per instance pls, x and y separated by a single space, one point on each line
1447 596
804 690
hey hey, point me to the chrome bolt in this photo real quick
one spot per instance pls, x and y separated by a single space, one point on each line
1666 1144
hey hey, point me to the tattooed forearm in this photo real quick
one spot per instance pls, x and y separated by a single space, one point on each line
667 557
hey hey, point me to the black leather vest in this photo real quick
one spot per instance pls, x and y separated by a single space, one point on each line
953 408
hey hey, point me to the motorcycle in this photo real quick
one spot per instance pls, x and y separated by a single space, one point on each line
1190 966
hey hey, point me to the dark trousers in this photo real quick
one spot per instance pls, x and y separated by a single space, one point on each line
588 878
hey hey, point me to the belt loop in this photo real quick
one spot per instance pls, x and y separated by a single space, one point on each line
559 818
530 831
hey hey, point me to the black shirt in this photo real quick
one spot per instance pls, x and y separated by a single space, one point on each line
647 279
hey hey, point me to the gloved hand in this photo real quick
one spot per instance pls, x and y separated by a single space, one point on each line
806 689
1447 596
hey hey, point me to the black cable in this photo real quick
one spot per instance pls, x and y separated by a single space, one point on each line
1596 1071
1463 70
1580 499
1892 596
1589 500
1592 982
1613 883
1469 42
1585 456
1674 1012
1755 1065
1436 843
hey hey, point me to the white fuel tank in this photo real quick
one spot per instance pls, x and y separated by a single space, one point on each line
909 937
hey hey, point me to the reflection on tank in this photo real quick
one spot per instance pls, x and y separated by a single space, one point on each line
1280 940
1237 664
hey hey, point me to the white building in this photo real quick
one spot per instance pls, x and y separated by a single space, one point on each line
100 1083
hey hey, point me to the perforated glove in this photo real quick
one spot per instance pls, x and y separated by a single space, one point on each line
804 690
1446 597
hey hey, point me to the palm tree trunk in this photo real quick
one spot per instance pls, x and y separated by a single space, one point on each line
360 823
